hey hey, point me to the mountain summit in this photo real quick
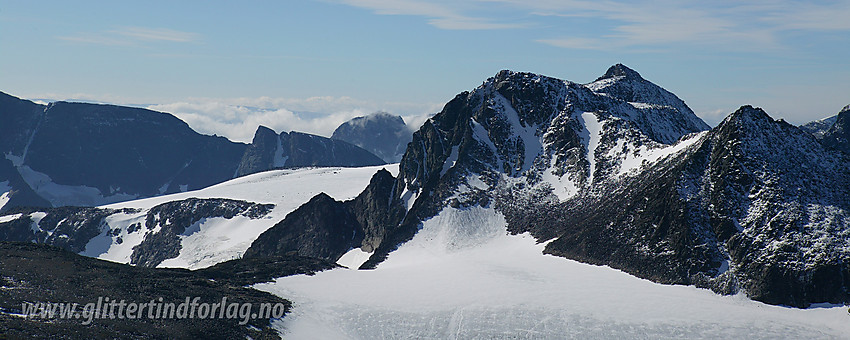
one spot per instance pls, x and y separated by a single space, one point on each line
620 71
381 133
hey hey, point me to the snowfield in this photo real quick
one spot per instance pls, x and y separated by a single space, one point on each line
463 277
215 240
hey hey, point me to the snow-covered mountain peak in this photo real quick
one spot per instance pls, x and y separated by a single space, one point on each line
663 115
747 114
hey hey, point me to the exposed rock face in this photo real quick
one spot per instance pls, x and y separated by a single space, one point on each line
325 228
380 133
755 204
129 150
72 228
261 154
838 136
69 228
168 220
620 172
321 228
819 127
295 149
671 116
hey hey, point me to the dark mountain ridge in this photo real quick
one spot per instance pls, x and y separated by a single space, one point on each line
92 154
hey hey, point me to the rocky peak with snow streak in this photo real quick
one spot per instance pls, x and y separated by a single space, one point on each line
755 205
669 114
517 131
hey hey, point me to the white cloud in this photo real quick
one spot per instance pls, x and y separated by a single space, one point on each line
156 34
441 14
239 123
131 36
620 24
238 118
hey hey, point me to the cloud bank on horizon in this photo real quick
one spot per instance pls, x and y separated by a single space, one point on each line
238 118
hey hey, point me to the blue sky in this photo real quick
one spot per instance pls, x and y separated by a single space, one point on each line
228 66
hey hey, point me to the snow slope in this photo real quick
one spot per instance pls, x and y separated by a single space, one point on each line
463 277
215 240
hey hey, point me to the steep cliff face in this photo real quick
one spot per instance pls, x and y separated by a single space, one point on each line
295 149
325 228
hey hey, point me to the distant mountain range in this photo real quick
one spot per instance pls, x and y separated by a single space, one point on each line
82 154
618 172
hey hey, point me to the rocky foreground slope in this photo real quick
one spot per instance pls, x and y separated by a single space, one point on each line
40 273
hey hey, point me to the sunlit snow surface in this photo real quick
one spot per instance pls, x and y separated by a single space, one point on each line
463 277
214 240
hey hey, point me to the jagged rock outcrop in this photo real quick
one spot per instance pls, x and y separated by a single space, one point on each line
672 114
69 228
819 127
325 228
838 136
295 149
380 133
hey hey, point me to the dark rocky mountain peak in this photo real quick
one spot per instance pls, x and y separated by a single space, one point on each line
838 136
620 71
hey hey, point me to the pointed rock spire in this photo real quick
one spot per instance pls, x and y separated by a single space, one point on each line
620 70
